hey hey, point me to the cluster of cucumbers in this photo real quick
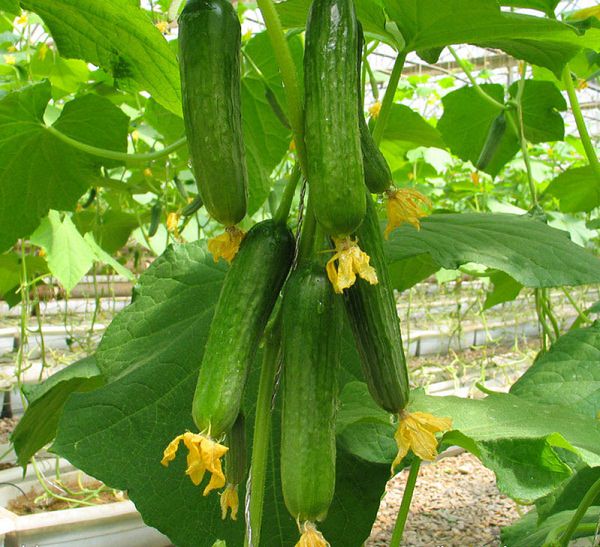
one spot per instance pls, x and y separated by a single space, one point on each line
344 166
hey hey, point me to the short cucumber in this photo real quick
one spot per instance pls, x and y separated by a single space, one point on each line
335 171
492 141
209 57
372 314
311 325
249 292
378 176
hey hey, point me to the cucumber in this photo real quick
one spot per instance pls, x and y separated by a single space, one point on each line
493 140
311 335
332 137
249 292
209 57
155 216
235 459
378 176
372 315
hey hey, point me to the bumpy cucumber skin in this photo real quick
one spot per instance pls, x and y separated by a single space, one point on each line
372 314
249 292
311 335
209 57
335 171
378 176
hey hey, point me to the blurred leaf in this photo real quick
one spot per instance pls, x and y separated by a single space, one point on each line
169 125
407 273
66 75
577 189
10 6
102 256
546 6
11 269
118 37
111 230
505 289
68 254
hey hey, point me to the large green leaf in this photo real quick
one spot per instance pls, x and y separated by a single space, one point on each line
38 425
546 6
577 189
468 117
69 256
530 251
39 172
118 37
567 375
10 6
150 355
431 25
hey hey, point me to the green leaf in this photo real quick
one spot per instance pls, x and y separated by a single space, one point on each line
66 75
11 270
546 6
506 289
410 271
519 440
528 250
577 189
68 254
10 6
164 121
567 375
468 117
429 24
38 425
525 532
151 354
111 230
102 256
118 37
38 172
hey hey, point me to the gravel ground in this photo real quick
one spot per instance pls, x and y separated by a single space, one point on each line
455 504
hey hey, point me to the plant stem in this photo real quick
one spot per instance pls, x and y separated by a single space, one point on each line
473 81
405 505
307 237
571 527
285 205
262 431
588 146
584 317
113 154
388 98
289 76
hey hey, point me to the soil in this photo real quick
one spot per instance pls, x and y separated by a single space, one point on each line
37 501
456 504
7 426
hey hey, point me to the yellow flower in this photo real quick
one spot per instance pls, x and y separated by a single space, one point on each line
10 59
147 172
405 205
227 244
374 110
416 432
43 51
230 501
351 261
582 84
173 223
475 178
135 135
163 26
12 49
22 19
204 454
311 537
593 11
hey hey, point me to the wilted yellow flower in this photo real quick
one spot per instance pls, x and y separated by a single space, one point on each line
230 501
351 261
375 109
10 59
475 178
404 205
311 537
582 84
227 244
416 431
163 26
173 223
204 454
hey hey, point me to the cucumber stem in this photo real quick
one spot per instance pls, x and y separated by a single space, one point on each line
581 127
113 154
563 539
262 431
473 81
388 98
283 210
405 504
289 76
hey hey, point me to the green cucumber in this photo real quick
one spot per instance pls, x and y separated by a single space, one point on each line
155 216
249 292
378 176
492 141
235 459
372 314
311 335
209 57
335 170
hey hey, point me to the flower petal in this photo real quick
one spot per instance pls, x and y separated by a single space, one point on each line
230 501
227 244
351 261
311 537
171 450
405 205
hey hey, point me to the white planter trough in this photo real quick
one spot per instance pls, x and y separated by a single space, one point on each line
116 524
